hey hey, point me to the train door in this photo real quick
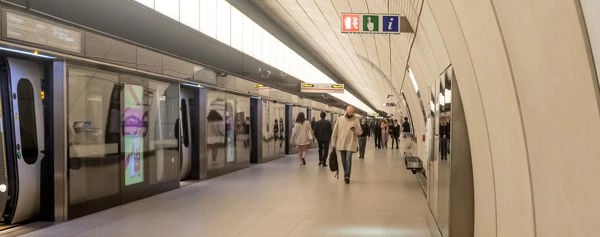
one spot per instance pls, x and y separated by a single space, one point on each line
185 138
22 140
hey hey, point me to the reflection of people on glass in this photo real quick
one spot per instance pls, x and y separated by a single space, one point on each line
276 129
229 133
215 129
444 136
281 132
246 132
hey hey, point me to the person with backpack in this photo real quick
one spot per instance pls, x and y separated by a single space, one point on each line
323 131
345 139
302 136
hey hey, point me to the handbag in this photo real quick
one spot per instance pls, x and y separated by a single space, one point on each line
333 163
311 136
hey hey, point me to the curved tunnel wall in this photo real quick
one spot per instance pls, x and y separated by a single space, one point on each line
530 94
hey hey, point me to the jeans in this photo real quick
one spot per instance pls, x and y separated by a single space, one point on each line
346 162
377 141
323 152
362 142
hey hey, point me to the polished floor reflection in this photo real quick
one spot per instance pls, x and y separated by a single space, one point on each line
278 198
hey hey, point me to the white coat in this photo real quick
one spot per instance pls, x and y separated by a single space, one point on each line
343 138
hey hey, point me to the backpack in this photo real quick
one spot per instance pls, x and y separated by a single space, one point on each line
333 163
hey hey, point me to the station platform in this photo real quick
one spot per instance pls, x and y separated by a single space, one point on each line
278 198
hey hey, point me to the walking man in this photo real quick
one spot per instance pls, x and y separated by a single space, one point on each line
322 130
362 138
345 139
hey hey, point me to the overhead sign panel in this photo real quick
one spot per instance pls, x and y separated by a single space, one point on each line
321 88
20 26
371 23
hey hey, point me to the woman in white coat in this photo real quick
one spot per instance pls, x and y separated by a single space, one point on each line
302 136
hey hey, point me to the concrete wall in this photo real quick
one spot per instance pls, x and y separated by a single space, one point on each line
530 94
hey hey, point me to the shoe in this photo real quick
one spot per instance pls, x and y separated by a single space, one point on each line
303 161
215 163
347 180
324 165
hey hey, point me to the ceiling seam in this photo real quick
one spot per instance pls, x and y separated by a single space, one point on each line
290 15
363 72
352 62
329 43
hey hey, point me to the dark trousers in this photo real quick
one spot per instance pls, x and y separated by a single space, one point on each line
395 138
377 141
323 152
444 148
362 142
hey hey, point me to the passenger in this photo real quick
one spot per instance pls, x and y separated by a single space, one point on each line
384 134
362 138
405 127
444 136
215 133
302 136
322 130
395 133
345 139
377 133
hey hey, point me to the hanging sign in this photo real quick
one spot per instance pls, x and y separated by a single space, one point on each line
370 23
321 88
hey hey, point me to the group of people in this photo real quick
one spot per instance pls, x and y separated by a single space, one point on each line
383 129
348 135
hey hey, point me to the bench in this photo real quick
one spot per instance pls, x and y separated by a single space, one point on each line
413 163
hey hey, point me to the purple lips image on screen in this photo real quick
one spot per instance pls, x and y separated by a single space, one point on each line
132 121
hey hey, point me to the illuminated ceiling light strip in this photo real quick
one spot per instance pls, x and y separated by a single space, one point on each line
413 80
27 53
352 100
293 64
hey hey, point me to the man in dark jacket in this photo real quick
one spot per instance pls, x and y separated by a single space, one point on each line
362 138
377 134
405 127
322 131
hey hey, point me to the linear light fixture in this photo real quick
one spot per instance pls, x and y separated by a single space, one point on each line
34 53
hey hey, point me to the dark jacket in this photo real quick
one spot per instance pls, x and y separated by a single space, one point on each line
377 130
406 127
365 130
322 130
395 130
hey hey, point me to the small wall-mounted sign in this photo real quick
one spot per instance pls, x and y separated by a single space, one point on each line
372 23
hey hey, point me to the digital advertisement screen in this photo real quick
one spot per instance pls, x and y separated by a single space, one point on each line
133 134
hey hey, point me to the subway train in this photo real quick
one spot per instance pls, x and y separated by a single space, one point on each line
128 135
90 121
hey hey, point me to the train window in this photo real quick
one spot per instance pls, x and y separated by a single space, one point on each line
185 122
26 101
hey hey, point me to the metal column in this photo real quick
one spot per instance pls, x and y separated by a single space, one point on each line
256 129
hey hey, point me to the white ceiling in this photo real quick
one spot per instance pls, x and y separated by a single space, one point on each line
374 64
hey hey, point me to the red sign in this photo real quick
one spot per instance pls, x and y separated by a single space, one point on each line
350 22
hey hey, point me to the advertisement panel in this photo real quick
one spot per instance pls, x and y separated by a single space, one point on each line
133 129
